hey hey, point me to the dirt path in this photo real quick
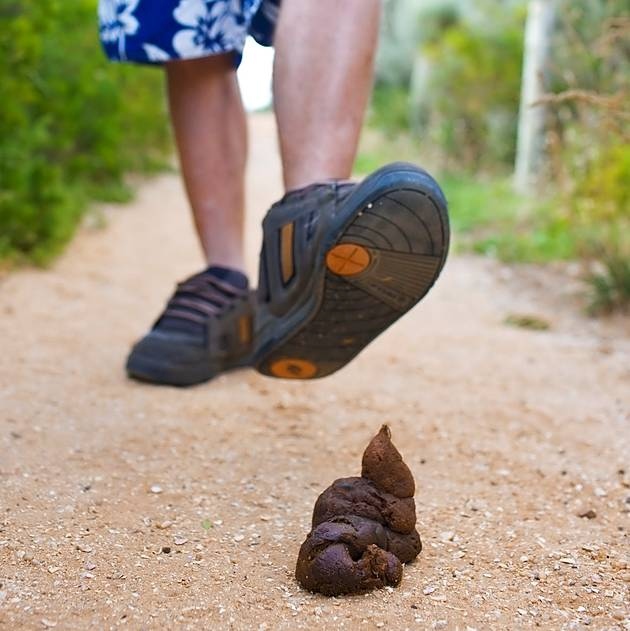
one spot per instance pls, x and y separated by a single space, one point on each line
510 433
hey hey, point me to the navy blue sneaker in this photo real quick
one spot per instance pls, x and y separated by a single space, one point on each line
340 263
206 329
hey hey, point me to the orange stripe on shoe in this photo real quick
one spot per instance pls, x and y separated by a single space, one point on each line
286 252
245 329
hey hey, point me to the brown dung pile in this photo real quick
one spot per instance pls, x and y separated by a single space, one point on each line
364 528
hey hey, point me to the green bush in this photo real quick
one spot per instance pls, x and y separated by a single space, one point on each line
460 93
590 119
71 125
469 88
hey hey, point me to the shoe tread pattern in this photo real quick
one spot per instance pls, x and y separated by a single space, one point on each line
406 234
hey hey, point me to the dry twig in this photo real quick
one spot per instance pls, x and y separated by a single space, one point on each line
614 103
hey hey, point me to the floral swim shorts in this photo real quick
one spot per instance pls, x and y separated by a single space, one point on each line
156 31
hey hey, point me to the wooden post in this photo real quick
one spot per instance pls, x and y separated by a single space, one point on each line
531 127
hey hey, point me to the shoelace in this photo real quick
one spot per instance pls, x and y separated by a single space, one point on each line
200 297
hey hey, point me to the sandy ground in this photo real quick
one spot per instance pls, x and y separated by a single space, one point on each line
511 434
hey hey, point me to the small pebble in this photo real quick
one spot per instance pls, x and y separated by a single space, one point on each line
28 556
84 547
589 514
428 590
238 538
156 488
49 624
180 541
164 525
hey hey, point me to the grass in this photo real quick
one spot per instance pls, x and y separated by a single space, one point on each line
525 321
490 218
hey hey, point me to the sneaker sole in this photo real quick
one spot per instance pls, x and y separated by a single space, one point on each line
150 370
380 259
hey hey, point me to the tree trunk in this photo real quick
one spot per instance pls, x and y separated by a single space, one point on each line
531 128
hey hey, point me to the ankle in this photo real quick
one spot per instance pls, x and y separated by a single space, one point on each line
317 183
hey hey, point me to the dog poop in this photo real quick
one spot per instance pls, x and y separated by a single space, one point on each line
364 528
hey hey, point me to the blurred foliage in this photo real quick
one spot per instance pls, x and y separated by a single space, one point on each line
460 90
390 109
610 285
589 105
458 99
468 88
71 125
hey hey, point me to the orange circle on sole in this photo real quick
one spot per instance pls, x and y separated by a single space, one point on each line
347 259
293 369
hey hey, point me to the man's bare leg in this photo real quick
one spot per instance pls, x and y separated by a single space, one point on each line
204 328
209 124
322 80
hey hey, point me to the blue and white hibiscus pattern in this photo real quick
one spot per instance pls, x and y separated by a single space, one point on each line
213 27
156 31
117 21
